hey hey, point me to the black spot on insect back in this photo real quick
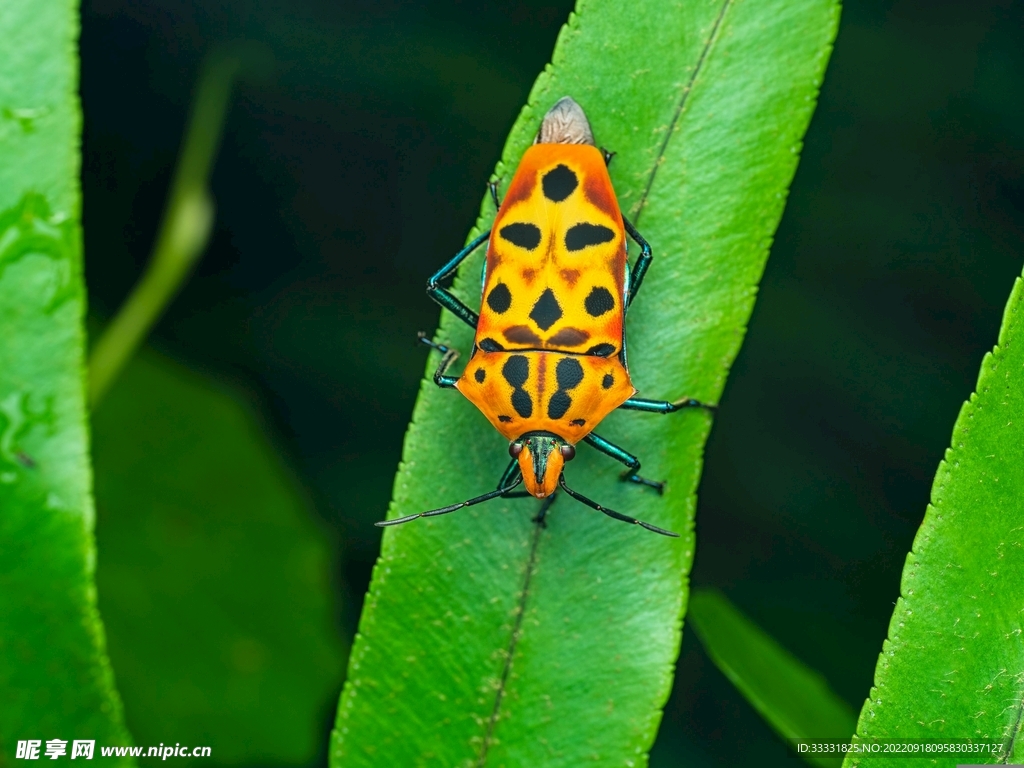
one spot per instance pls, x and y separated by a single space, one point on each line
546 311
522 402
607 381
599 301
524 235
559 183
601 350
516 370
504 419
500 298
559 404
490 345
521 334
580 236
568 337
568 373
578 422
480 375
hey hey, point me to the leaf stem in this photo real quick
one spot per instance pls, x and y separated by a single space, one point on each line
184 230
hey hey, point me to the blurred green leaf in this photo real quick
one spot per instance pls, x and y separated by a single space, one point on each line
795 700
213 577
953 665
486 640
184 231
55 681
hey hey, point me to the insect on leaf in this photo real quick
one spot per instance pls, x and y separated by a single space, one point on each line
55 681
485 639
953 664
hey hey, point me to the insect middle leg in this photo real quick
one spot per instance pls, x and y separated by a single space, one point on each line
448 356
664 406
631 475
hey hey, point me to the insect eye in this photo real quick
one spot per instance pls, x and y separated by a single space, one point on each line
514 449
568 452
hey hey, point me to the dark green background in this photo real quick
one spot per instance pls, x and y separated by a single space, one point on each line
355 166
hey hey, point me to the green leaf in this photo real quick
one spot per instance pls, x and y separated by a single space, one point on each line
795 700
184 230
55 681
213 577
953 665
485 639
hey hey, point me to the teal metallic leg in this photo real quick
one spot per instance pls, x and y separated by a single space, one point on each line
643 263
444 297
631 475
449 356
664 406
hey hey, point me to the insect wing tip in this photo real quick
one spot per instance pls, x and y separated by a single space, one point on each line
565 123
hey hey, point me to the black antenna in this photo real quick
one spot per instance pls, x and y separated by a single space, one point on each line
453 507
611 512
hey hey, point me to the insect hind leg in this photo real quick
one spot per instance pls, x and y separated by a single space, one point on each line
632 474
643 262
443 296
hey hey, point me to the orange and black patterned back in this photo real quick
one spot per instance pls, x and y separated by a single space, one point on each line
567 395
556 262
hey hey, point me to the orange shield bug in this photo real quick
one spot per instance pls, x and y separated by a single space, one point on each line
549 357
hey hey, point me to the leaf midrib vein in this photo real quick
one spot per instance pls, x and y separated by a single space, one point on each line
1008 749
684 97
512 642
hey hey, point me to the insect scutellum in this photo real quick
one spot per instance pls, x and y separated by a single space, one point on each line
549 353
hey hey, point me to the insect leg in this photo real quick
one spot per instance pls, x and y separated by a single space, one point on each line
643 263
631 475
612 512
512 475
664 406
443 296
449 356
541 518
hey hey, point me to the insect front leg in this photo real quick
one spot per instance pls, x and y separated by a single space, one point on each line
631 475
664 406
448 356
446 298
